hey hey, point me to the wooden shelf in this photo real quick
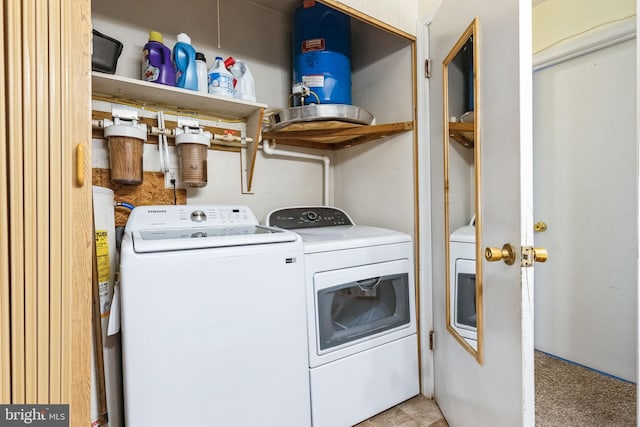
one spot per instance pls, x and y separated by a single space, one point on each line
178 98
162 96
333 135
462 133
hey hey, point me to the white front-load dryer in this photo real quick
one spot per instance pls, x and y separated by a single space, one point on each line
462 282
363 350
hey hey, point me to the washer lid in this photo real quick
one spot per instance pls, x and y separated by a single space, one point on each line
178 227
165 240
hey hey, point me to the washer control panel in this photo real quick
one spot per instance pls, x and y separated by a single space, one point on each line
308 217
188 216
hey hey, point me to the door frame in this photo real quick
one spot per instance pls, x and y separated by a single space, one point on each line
424 208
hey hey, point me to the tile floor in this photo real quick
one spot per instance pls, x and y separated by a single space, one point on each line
416 412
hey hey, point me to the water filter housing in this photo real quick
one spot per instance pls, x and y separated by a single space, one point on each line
126 147
322 52
192 157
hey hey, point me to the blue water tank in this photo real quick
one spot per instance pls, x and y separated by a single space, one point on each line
322 52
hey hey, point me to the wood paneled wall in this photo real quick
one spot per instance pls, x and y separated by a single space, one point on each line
5 334
45 212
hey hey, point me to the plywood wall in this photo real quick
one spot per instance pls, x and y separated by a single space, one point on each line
150 192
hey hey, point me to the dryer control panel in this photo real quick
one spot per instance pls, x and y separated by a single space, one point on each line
307 217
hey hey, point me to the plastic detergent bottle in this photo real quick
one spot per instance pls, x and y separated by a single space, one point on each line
184 59
156 61
201 71
220 79
244 86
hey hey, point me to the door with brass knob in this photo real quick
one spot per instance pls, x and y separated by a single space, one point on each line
481 110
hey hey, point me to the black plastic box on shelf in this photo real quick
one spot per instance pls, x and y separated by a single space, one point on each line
106 51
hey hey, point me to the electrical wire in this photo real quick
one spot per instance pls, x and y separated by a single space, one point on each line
218 18
125 205
175 191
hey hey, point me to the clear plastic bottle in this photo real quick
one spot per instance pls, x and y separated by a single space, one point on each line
220 79
201 71
184 59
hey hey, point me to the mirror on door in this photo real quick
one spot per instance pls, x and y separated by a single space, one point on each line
462 190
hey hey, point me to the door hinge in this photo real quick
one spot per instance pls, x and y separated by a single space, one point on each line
427 68
432 340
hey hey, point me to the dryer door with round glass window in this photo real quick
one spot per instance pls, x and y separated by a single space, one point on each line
358 303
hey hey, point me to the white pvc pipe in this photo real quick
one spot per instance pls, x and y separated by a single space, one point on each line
267 149
163 145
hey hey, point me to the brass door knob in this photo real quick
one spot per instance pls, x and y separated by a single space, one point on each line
506 254
531 255
540 255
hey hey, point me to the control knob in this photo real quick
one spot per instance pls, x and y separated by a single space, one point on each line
198 216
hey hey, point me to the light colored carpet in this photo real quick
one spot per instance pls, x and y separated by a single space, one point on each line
569 395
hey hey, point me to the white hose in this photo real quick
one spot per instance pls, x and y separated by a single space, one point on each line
267 149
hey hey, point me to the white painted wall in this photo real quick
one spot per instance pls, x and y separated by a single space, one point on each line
401 14
427 10
381 65
585 189
557 20
374 181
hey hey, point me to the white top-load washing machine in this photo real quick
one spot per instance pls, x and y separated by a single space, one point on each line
363 351
213 320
